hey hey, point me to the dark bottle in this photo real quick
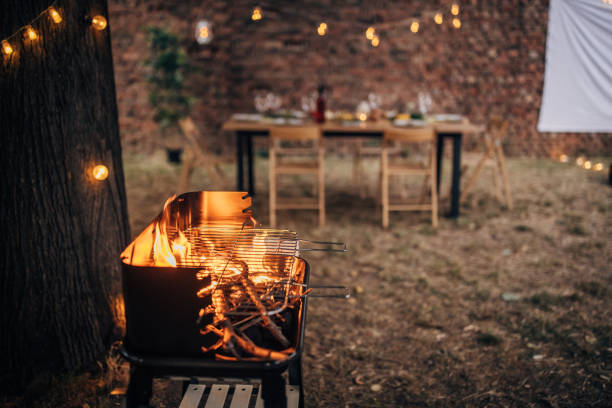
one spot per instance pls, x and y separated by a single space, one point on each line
320 108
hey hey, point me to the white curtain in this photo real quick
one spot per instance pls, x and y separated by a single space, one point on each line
578 79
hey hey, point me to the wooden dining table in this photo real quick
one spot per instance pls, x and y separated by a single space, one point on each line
245 132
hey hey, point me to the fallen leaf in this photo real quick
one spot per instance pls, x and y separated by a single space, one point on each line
511 297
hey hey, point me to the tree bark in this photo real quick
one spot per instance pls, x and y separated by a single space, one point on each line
61 231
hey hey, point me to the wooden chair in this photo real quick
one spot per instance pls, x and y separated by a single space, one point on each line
494 156
423 136
280 164
196 156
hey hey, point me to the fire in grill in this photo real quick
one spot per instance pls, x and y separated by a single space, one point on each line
205 272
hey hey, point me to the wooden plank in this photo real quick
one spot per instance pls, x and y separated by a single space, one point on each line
293 396
218 393
192 396
242 396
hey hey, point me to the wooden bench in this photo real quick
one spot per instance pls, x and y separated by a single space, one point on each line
232 396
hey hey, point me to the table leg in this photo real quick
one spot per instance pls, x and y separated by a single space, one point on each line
439 151
239 166
456 183
251 175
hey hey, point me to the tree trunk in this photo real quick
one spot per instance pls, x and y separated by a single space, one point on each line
61 230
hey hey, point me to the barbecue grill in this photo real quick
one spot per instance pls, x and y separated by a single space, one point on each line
208 293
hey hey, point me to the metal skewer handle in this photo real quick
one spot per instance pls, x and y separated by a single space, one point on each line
333 291
320 246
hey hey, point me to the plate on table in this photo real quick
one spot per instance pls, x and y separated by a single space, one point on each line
410 122
448 117
247 117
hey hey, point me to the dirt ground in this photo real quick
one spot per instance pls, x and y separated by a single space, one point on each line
496 308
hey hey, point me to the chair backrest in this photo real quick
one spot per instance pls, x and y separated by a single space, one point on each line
189 129
295 133
498 127
410 135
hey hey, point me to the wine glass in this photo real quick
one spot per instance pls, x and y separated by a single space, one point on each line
374 100
424 102
260 103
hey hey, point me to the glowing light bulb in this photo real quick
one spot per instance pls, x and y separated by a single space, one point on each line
375 41
257 15
203 32
598 167
31 33
414 27
99 22
55 15
563 158
6 47
438 18
362 116
580 161
455 9
456 23
588 164
100 172
322 29
370 33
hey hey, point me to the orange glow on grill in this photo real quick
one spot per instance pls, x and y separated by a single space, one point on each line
241 267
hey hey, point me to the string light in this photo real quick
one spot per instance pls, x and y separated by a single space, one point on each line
55 15
257 14
99 22
455 9
30 33
370 33
375 41
203 32
583 162
438 18
100 172
6 47
414 27
322 29
456 23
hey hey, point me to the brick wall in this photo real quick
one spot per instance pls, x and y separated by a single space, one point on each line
493 64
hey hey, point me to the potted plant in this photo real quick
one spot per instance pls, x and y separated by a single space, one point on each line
168 98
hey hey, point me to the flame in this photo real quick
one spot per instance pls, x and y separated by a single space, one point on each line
164 243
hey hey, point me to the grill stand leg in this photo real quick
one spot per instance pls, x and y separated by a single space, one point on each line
273 390
140 388
295 377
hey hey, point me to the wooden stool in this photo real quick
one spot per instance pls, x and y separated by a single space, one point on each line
392 137
197 156
493 155
279 165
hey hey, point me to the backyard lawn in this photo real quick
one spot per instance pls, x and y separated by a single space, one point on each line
496 308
